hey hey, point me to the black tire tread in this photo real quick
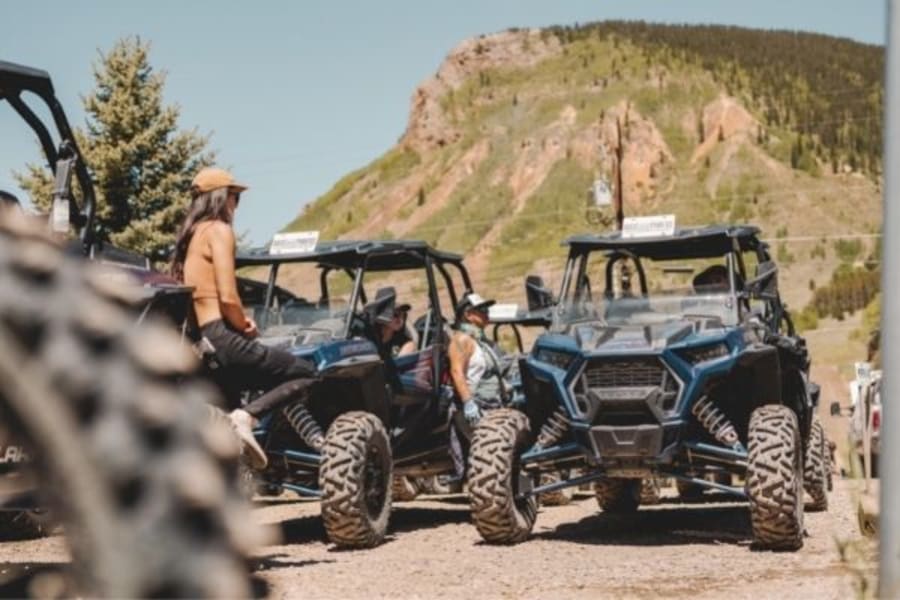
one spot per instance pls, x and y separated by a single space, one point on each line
774 478
650 492
559 497
815 469
23 525
404 489
499 438
118 429
616 495
342 481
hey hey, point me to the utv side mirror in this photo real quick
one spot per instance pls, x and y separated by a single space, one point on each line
835 409
765 283
539 297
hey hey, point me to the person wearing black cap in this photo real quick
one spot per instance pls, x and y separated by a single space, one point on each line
712 280
384 323
388 322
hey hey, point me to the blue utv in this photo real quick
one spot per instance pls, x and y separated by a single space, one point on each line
372 419
664 358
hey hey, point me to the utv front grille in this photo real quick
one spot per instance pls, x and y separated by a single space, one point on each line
626 391
624 373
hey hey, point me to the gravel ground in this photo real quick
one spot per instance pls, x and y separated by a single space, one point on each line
669 550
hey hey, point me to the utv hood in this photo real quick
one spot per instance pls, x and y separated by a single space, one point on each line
632 337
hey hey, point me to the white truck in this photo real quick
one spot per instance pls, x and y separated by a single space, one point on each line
865 416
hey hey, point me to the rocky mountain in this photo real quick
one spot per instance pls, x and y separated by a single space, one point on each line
718 124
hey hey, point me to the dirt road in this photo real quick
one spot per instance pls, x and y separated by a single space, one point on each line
670 550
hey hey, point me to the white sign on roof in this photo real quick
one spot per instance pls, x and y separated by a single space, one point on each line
503 311
655 226
295 242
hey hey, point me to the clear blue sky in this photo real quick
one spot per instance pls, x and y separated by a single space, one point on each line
296 94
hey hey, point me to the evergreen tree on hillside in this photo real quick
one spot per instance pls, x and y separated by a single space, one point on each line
141 163
829 89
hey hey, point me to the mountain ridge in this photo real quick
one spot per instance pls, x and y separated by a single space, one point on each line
504 140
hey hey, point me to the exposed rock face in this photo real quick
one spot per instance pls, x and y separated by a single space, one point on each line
723 119
430 126
646 153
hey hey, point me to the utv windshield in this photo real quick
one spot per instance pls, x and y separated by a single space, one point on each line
310 304
613 290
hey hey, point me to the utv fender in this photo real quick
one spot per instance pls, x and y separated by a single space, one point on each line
761 364
545 392
361 386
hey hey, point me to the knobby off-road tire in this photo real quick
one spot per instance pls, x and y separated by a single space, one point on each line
815 469
775 478
650 491
355 479
687 491
404 489
24 524
829 462
500 438
559 497
118 430
615 495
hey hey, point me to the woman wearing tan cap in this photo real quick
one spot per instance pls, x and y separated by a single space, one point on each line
204 259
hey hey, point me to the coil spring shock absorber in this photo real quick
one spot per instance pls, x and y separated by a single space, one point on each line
305 425
554 429
715 422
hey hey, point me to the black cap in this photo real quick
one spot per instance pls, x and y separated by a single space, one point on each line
383 307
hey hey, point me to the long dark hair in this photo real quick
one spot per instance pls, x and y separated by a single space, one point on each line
205 206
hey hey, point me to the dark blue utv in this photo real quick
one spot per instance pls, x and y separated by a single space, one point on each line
667 356
373 420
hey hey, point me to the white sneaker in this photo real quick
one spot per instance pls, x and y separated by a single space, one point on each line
242 422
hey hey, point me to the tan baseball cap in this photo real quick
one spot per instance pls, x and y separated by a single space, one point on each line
213 178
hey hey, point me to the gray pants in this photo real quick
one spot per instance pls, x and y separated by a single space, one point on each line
461 432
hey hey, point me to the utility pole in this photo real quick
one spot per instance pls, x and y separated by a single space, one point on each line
889 518
619 204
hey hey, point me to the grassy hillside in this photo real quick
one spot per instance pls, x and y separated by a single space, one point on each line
719 124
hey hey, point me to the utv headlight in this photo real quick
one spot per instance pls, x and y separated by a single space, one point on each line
705 353
558 359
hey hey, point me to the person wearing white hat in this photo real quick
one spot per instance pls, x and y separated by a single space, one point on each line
476 370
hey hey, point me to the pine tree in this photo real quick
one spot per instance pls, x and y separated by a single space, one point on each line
140 162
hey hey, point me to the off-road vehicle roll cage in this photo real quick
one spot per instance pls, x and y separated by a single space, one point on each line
64 159
405 403
690 243
355 258
691 381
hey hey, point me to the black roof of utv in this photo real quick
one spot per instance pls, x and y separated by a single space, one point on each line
389 255
691 242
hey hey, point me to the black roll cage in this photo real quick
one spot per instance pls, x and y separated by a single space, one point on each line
709 242
355 260
16 79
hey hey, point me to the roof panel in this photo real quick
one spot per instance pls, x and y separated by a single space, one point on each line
692 242
387 255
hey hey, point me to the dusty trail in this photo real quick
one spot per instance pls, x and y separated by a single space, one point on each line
670 550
